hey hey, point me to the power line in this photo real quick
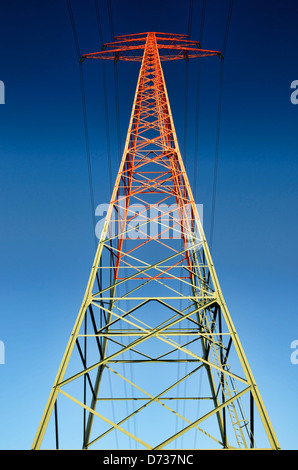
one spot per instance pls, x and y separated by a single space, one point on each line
198 100
110 19
190 10
190 17
118 126
75 36
219 124
104 78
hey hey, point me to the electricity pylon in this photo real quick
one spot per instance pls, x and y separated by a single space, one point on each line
161 365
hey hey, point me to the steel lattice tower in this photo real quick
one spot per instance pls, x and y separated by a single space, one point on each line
160 363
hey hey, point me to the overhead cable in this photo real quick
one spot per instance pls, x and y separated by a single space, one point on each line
84 115
219 124
105 96
198 102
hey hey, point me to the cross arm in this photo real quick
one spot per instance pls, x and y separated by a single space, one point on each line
170 46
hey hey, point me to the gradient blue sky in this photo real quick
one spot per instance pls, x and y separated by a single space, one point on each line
47 240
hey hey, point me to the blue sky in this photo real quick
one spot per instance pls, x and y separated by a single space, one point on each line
47 240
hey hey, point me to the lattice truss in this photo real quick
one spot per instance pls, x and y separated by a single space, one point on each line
160 363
